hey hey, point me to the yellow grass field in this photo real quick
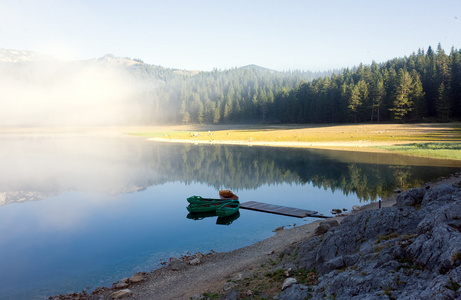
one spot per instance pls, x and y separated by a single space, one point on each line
367 137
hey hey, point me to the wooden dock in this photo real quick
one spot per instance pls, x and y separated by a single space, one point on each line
280 210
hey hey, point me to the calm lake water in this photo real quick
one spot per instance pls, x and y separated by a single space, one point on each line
85 211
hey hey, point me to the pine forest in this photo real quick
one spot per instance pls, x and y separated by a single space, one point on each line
423 87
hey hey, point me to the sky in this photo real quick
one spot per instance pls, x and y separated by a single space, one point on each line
203 35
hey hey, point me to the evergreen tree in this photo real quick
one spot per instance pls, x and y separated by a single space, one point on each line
403 103
217 113
364 99
417 96
443 104
377 94
456 83
354 101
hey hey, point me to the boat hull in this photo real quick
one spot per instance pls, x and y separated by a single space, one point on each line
202 208
204 201
228 209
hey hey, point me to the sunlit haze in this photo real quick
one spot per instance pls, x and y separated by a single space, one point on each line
202 35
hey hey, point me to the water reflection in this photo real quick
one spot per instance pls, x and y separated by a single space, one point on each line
219 220
39 168
86 211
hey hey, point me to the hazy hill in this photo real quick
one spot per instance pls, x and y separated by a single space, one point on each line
110 90
15 56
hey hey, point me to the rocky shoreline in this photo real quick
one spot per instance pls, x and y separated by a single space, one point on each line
410 250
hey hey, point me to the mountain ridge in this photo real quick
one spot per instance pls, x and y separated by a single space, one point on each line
17 56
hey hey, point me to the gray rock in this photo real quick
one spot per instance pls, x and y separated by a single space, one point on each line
308 252
350 260
232 295
443 193
356 208
121 294
356 229
438 243
242 275
120 285
411 197
334 264
322 228
229 285
296 291
325 226
177 264
288 282
137 277
286 264
409 251
195 261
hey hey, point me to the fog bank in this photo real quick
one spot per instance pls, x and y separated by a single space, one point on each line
47 92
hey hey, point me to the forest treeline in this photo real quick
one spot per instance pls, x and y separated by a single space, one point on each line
425 86
238 95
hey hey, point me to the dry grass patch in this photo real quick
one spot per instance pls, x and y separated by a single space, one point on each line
371 134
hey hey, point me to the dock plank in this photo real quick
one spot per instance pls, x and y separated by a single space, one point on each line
278 209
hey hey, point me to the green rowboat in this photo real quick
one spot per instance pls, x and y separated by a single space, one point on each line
204 207
201 200
228 209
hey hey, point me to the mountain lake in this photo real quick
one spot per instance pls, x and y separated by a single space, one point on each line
81 211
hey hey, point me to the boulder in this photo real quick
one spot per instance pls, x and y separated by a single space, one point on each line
411 197
120 285
296 291
232 295
137 277
176 264
195 261
336 211
288 282
438 245
121 294
325 226
356 208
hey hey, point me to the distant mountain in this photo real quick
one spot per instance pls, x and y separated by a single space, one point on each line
256 67
14 56
111 59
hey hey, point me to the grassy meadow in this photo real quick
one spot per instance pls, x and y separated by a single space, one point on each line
440 140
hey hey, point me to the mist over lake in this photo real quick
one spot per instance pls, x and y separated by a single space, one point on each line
85 210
